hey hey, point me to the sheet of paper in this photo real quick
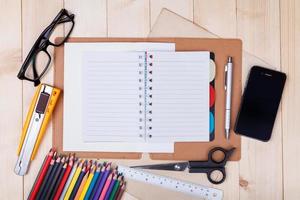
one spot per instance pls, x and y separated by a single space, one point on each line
72 137
178 99
113 96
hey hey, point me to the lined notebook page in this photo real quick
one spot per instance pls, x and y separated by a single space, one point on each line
113 96
72 123
177 96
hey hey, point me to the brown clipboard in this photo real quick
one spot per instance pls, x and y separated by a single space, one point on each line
222 48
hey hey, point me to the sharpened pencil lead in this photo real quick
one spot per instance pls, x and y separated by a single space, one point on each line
65 165
54 154
58 159
71 162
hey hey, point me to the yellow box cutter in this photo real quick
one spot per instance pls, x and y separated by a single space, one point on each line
35 125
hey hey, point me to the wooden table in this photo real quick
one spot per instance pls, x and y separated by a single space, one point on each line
269 29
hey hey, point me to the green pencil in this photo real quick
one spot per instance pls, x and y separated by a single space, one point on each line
115 189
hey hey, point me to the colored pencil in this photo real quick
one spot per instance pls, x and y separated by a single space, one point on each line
54 177
89 165
63 194
50 179
41 175
63 171
115 189
93 183
61 175
64 179
78 182
121 191
106 186
73 182
40 171
88 183
111 186
43 185
82 184
102 183
97 183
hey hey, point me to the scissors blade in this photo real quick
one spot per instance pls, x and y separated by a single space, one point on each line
179 166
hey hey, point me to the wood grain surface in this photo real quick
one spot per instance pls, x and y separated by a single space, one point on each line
269 29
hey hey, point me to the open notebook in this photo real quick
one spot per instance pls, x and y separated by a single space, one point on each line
145 96
72 108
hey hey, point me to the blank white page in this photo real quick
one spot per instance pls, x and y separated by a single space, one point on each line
177 96
113 96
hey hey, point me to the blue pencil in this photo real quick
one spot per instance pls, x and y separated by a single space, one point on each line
102 182
93 183
97 183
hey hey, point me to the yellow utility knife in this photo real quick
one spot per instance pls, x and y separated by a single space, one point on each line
35 125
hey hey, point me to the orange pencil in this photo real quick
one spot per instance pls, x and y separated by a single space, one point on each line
81 185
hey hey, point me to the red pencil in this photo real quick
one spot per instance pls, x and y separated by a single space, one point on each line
88 165
64 179
41 175
106 186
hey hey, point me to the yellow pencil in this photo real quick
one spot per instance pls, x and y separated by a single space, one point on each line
73 182
88 182
79 191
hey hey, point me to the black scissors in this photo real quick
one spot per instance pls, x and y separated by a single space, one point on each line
213 167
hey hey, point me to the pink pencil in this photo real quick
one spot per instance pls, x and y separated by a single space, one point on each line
106 186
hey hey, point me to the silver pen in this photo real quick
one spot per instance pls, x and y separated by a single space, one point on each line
228 90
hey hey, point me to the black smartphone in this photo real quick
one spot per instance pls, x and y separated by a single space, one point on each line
260 103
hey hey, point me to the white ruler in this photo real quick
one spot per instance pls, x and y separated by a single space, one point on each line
172 184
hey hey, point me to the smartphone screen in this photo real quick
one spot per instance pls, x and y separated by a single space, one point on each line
260 103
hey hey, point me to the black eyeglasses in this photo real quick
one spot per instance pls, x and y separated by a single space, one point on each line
38 60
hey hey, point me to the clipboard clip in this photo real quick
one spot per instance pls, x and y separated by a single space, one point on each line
225 77
35 125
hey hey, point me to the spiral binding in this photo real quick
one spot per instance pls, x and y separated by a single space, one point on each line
149 94
141 94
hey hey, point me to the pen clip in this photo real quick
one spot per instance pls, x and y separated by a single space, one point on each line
225 77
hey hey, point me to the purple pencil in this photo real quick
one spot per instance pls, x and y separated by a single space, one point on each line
102 182
97 183
111 186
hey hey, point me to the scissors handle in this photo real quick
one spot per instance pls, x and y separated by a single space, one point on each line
225 155
210 174
213 161
202 164
214 167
